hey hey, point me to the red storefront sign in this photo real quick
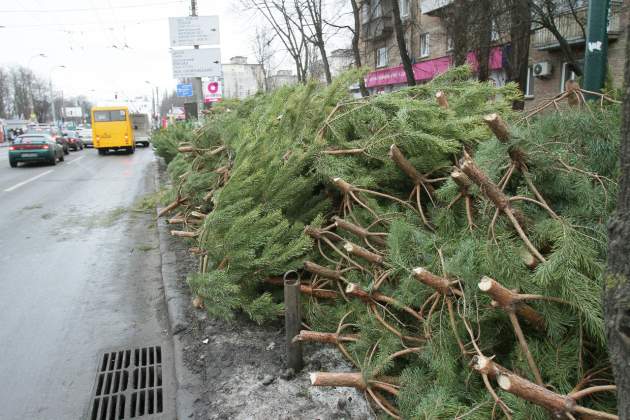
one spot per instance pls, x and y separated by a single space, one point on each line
427 70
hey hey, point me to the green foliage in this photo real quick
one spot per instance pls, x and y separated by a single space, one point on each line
166 140
280 180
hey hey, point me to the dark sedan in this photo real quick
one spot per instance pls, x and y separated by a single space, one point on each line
35 148
74 140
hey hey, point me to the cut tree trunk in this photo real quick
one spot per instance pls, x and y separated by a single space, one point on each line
305 288
509 301
339 379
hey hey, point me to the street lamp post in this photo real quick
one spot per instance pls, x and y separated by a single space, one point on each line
28 63
155 100
52 94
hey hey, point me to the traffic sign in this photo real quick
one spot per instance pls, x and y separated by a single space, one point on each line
194 30
185 89
202 62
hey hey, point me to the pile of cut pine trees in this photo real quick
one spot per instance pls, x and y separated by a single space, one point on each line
454 255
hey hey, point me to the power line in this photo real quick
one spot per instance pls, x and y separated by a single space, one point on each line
76 24
90 9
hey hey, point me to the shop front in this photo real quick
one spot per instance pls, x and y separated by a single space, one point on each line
393 78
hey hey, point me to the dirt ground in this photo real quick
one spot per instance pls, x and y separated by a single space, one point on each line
240 367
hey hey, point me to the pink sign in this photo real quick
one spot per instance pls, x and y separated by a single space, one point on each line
427 70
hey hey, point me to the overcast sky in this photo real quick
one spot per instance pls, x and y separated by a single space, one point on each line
109 46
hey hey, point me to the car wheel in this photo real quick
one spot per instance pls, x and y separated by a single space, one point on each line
13 163
62 158
66 150
102 152
132 150
53 161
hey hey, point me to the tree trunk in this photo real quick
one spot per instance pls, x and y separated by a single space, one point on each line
520 28
402 45
484 34
322 51
355 45
458 31
617 284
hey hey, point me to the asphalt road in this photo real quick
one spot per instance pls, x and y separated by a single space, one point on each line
79 275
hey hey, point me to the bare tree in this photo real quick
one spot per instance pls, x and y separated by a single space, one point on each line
263 53
356 14
5 98
545 14
40 99
288 23
21 80
519 31
399 30
617 284
315 30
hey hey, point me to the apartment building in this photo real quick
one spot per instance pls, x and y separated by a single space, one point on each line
241 79
430 47
548 71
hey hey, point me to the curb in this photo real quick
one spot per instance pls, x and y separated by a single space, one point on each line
177 300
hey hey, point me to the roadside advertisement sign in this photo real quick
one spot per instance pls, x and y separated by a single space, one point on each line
73 111
212 92
178 112
202 62
194 30
184 90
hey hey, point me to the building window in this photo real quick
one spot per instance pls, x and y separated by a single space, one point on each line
450 43
375 9
529 86
494 34
404 8
381 57
424 45
568 74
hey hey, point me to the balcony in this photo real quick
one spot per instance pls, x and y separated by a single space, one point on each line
543 39
378 28
430 6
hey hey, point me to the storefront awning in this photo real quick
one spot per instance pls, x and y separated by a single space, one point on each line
427 70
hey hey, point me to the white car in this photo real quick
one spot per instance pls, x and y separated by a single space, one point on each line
86 136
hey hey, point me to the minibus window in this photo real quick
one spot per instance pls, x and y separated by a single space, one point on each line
105 116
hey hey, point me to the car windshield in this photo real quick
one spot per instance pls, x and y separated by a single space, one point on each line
39 130
31 139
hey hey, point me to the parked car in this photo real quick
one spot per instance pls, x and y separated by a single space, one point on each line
52 132
35 148
86 137
74 141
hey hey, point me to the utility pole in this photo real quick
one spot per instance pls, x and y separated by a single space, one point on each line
596 54
196 80
52 101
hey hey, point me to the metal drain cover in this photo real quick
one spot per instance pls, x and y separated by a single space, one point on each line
128 385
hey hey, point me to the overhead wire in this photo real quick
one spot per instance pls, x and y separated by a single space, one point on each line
90 9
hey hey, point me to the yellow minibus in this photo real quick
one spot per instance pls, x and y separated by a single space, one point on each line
111 129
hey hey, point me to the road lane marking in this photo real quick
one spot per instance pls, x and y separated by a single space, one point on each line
16 186
74 160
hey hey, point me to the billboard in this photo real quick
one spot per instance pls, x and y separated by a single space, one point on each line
202 62
194 30
72 111
212 92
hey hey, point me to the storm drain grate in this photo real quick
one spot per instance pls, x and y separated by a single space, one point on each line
128 385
